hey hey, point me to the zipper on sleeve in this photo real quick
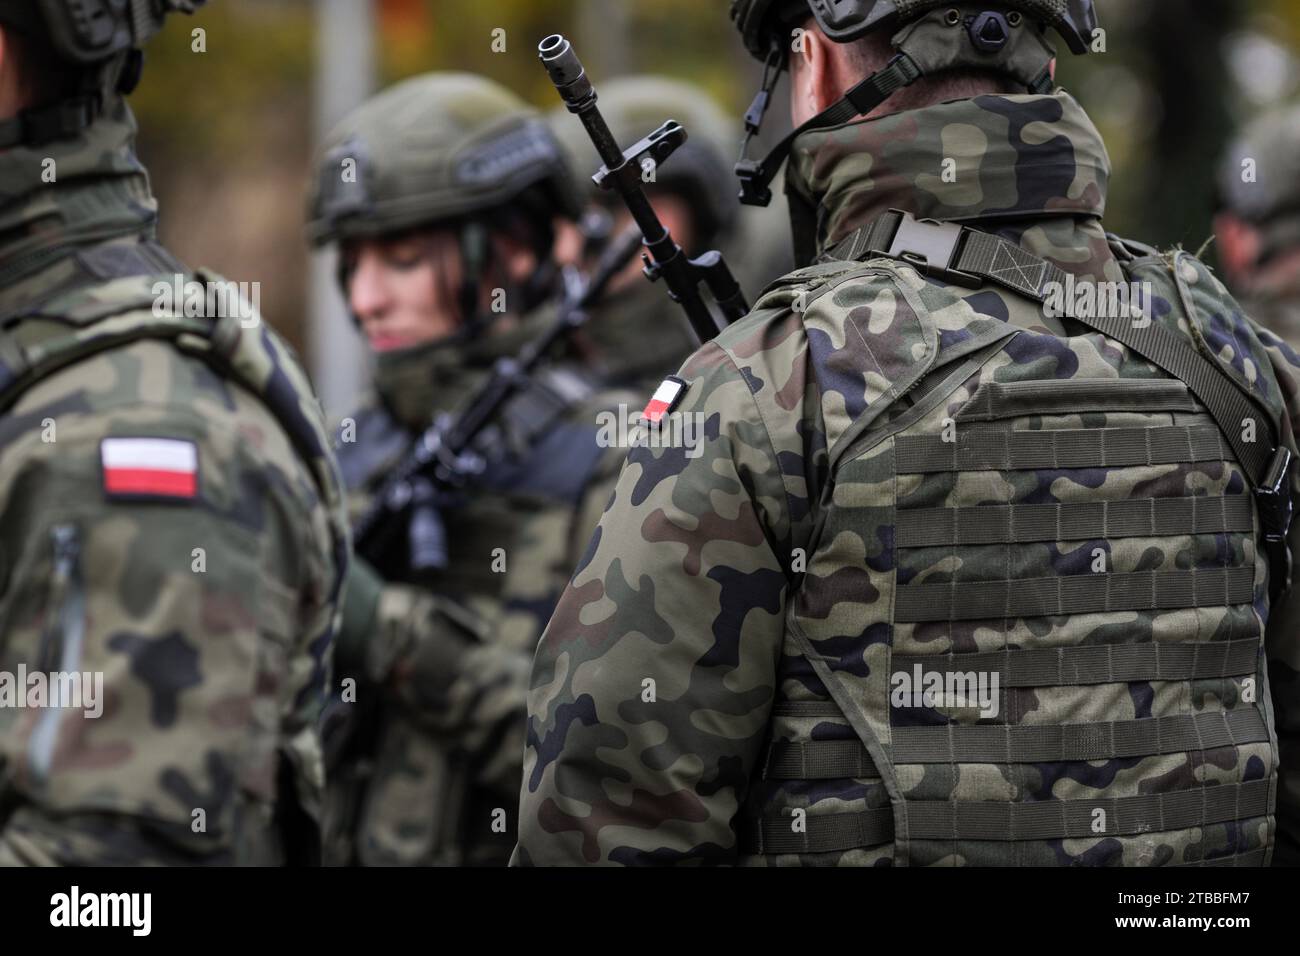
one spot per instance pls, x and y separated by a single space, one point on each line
61 641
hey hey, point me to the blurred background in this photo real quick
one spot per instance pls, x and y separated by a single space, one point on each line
228 133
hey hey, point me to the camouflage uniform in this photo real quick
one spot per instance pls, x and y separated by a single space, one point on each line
1269 200
904 476
428 776
170 521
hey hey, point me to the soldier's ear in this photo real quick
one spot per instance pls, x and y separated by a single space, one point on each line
814 77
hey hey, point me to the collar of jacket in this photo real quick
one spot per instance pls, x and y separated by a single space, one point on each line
62 195
1031 168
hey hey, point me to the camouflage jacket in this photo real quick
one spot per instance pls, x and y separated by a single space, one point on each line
721 680
434 771
171 540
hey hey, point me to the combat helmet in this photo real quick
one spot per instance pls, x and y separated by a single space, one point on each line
930 36
1259 180
446 149
97 45
698 170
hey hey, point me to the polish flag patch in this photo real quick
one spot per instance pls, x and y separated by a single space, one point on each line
664 400
158 468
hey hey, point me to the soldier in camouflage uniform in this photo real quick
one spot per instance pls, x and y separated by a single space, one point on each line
442 194
1258 228
963 574
171 523
636 335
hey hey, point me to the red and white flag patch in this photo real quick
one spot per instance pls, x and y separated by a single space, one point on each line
166 468
664 400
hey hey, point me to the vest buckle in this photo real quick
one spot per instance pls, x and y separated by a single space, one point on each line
932 248
1273 499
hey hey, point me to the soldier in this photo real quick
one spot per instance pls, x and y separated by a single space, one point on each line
1258 227
172 534
636 335
442 194
979 558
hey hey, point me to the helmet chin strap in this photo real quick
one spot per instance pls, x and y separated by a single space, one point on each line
70 116
64 119
756 175
473 259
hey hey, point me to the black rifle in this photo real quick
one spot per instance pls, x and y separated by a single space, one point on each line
442 460
622 172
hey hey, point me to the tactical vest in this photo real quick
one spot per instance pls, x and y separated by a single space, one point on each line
108 303
1063 547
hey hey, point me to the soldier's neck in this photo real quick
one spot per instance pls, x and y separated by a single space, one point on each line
1030 168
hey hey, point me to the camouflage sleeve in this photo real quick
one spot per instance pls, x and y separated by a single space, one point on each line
652 684
182 634
1282 639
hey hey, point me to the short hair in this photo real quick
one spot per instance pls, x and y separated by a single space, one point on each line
872 52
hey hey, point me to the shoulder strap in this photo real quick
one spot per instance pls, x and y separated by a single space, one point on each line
968 257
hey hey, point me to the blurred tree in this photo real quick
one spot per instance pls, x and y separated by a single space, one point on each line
1187 63
225 119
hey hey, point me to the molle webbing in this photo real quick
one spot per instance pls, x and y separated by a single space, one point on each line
1098 663
1021 743
1003 450
1075 594
1006 822
1073 521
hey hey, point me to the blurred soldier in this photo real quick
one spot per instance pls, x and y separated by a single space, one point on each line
636 335
442 194
172 531
977 561
1258 228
